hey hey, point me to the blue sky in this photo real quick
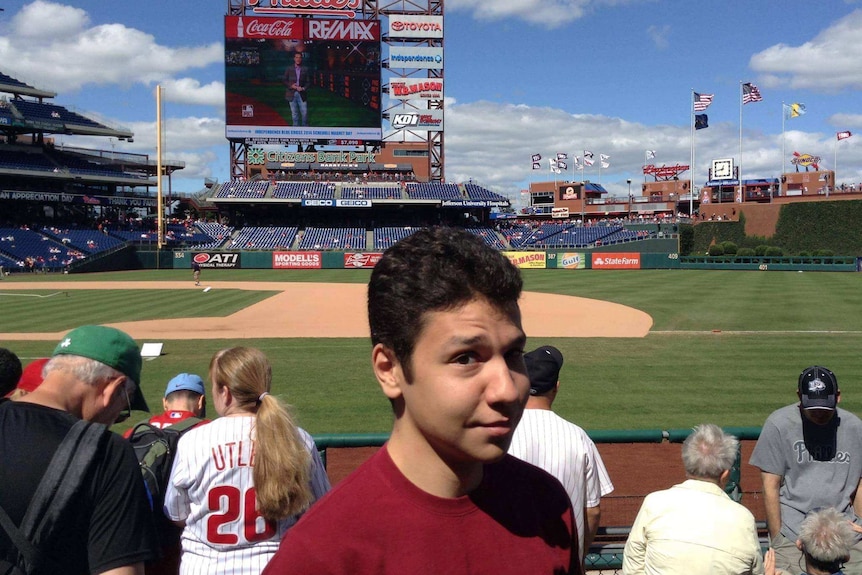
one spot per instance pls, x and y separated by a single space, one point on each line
522 77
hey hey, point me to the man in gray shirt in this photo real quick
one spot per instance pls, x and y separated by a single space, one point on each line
810 457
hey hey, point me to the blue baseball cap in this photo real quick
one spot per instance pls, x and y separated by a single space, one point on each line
187 381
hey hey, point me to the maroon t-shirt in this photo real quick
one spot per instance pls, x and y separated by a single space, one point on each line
519 520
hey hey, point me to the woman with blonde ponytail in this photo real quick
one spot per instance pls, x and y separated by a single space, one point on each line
239 483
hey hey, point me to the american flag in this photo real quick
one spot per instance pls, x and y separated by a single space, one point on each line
702 101
750 93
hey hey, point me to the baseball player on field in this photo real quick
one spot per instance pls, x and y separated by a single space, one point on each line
240 482
560 447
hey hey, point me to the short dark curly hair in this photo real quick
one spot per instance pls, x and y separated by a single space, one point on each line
10 371
435 269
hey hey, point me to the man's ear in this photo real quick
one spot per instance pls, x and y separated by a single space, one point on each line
108 389
387 370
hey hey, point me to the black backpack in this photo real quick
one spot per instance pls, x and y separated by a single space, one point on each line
61 483
156 449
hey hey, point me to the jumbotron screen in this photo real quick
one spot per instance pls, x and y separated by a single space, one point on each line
290 80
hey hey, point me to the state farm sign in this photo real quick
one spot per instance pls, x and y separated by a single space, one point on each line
296 260
613 261
415 26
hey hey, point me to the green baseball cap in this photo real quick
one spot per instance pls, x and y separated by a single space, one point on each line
110 346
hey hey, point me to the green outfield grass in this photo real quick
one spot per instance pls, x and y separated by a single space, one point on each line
726 347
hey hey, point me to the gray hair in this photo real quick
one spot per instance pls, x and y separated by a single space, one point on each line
826 536
83 368
708 451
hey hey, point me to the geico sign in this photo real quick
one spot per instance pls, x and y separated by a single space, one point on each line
327 203
342 29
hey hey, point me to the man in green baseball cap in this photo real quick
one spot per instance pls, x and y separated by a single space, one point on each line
93 375
112 348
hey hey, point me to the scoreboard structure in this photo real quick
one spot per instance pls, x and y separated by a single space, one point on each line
374 71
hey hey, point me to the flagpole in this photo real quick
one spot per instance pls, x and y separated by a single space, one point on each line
739 167
834 168
783 145
583 195
691 167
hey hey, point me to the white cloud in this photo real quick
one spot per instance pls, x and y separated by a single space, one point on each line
549 13
190 91
659 35
827 63
846 121
70 53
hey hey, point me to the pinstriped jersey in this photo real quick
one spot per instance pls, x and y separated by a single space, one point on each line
212 490
564 450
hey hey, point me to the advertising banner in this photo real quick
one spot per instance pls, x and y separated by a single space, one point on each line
616 261
415 26
416 88
217 259
294 79
332 203
571 261
419 121
361 260
296 260
560 213
527 260
415 57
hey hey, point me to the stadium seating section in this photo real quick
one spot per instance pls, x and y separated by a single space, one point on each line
240 189
264 238
433 191
21 245
333 239
304 190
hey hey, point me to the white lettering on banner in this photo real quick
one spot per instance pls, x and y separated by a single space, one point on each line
327 203
325 4
401 121
431 89
297 258
341 29
269 28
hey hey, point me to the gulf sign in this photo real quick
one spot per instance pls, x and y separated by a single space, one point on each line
571 261
361 260
217 259
415 26
616 261
416 89
527 260
297 260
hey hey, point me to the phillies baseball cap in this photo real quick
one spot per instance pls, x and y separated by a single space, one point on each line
110 346
31 378
543 368
188 381
818 388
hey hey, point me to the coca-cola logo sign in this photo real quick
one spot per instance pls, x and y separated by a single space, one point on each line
269 28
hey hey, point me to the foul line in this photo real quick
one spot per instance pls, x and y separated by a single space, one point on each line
7 294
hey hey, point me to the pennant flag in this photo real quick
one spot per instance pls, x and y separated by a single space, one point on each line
605 165
604 157
843 135
588 158
701 121
650 154
537 165
794 110
562 156
552 164
537 159
702 101
562 165
750 93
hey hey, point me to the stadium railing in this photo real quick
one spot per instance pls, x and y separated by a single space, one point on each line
606 553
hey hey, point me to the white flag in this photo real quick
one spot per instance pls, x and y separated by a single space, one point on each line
605 165
588 158
650 154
